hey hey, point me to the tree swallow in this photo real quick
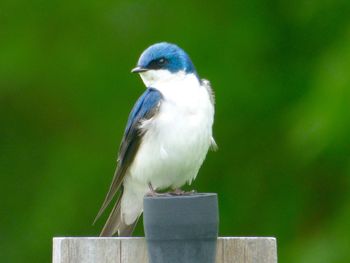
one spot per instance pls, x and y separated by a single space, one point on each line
167 135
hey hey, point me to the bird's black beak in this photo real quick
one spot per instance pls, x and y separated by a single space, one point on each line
138 69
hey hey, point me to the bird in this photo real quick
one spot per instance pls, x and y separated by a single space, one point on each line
167 135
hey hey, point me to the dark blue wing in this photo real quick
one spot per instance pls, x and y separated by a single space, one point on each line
145 108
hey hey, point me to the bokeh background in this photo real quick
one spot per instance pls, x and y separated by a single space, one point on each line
281 74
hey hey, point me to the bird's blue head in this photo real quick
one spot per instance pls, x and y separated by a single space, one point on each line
164 56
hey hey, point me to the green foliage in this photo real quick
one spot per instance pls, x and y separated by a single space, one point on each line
280 71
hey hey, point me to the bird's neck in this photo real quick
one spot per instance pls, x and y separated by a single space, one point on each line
183 92
161 79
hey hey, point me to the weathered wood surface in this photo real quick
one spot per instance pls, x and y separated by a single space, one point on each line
133 250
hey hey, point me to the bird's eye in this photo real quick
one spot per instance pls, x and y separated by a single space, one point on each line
157 63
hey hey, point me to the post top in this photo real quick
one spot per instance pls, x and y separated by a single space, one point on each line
183 196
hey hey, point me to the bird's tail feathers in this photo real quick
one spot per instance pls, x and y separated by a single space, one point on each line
113 189
115 223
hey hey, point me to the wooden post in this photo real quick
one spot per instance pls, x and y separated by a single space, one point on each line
132 250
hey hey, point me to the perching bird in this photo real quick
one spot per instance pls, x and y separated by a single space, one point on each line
167 136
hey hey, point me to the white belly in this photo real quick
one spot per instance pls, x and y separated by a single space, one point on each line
177 139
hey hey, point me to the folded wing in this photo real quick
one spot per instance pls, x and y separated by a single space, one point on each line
145 108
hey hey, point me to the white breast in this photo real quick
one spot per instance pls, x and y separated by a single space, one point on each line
177 139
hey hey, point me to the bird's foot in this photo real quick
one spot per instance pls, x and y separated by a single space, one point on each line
178 192
153 192
156 194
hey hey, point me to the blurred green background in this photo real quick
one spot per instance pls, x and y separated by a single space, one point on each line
281 74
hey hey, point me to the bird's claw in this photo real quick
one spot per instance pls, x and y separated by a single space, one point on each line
178 192
152 192
155 194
